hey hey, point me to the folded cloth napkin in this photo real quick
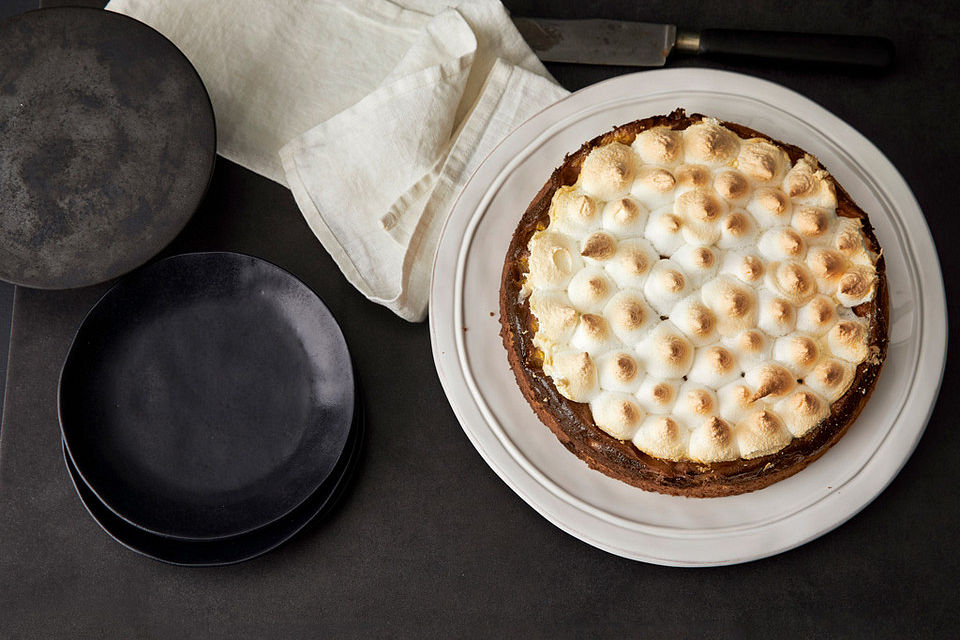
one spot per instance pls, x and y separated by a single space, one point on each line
374 113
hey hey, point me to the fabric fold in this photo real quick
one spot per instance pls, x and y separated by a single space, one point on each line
374 113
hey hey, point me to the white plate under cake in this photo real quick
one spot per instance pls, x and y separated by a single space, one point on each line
694 308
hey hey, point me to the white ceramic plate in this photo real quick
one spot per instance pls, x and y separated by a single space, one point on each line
609 514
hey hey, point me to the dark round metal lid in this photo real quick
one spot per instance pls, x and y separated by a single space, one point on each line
107 145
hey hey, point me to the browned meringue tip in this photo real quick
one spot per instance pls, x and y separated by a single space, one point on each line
710 142
759 159
720 359
629 314
698 205
658 179
662 393
659 145
595 326
718 430
811 221
825 263
774 381
599 246
693 175
673 350
732 185
672 281
772 199
625 367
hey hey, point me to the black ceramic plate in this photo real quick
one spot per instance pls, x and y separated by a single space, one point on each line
206 395
201 553
108 144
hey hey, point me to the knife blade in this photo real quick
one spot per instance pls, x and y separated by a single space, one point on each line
647 44
614 42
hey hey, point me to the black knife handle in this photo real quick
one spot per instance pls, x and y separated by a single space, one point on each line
859 51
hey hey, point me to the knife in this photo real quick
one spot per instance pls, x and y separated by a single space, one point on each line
648 44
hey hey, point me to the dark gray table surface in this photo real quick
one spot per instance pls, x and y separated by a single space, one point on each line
429 541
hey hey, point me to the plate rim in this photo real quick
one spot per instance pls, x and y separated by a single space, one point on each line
310 514
351 372
565 109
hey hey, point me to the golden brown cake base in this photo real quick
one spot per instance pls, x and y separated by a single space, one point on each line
573 423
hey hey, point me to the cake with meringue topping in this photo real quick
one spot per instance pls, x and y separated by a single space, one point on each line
693 307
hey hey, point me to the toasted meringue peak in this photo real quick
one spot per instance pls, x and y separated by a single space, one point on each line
599 246
714 367
663 231
813 223
777 316
666 352
617 414
736 401
631 263
552 262
781 243
699 205
848 339
656 395
574 374
769 207
856 286
665 286
695 403
806 183
691 176
761 160
769 380
738 230
831 378
653 186
761 433
659 145
827 266
695 320
698 263
662 437
624 217
590 288
607 171
710 143
798 353
817 316
849 237
713 441
593 335
556 319
734 304
699 210
630 316
744 266
749 347
791 280
573 212
619 371
732 185
802 410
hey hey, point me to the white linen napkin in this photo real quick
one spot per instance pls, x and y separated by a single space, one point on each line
374 113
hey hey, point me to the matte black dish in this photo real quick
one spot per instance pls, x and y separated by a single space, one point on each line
206 553
109 143
206 395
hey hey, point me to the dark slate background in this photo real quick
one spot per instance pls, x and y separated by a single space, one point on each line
429 541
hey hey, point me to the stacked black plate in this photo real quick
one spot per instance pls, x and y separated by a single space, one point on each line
208 409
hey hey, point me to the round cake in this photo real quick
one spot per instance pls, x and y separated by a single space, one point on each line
693 307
